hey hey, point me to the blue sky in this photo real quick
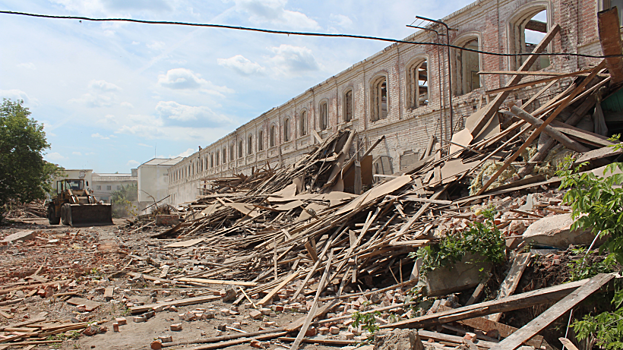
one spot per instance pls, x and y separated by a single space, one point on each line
114 95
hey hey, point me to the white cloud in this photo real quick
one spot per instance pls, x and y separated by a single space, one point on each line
103 85
185 79
294 59
241 65
176 111
273 11
186 153
95 100
98 136
181 78
144 145
341 20
127 104
132 163
102 94
55 156
156 45
15 94
76 153
27 65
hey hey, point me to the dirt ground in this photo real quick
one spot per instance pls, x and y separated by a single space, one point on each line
94 258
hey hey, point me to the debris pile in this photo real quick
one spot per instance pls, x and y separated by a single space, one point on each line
322 239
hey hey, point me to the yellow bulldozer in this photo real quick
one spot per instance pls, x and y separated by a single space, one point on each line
74 205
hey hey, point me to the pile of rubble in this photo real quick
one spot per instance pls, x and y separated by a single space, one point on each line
323 239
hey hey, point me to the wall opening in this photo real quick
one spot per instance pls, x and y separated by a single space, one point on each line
417 84
348 106
324 115
231 152
250 145
272 136
303 124
467 67
260 140
379 99
224 155
608 4
286 130
240 149
527 30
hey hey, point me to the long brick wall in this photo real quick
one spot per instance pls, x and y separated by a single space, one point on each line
407 130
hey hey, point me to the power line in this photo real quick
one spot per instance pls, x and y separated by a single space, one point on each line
285 32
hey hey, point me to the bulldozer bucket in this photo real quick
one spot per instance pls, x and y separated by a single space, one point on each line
90 214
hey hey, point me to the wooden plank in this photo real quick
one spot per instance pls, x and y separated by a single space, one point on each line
181 302
512 279
424 334
535 82
229 343
513 302
312 311
515 72
222 282
275 290
550 315
419 213
33 286
549 130
486 325
538 131
184 244
484 114
599 153
587 136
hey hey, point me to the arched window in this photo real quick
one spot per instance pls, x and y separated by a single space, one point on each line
379 97
231 152
348 106
260 140
417 84
468 66
303 124
286 130
324 115
250 144
528 28
212 160
272 136
216 154
224 155
240 150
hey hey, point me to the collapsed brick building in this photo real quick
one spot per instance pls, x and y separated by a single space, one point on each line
408 93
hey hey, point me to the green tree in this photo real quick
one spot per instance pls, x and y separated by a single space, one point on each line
24 174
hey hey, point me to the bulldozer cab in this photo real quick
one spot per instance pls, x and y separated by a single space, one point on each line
69 184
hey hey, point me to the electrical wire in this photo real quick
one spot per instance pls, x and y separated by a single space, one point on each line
314 34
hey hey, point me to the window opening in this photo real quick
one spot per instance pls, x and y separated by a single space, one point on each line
418 84
324 115
303 123
348 106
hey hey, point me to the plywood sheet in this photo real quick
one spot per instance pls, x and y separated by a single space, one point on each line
376 192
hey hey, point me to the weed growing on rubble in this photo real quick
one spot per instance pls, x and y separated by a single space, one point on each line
587 266
366 320
481 238
597 205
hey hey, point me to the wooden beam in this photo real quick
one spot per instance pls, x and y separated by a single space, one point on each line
490 109
312 311
512 279
272 293
515 72
514 302
181 302
549 119
553 313
555 134
535 82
